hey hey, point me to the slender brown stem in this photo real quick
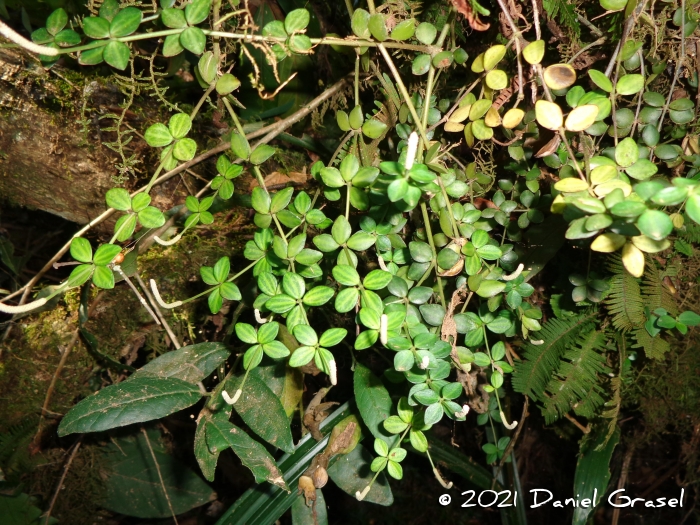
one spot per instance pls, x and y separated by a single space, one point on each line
66 468
156 309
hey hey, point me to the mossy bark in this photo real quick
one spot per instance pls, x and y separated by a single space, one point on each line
43 164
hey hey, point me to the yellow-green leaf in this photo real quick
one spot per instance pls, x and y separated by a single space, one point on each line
581 117
493 56
608 242
548 115
534 52
512 118
571 185
633 259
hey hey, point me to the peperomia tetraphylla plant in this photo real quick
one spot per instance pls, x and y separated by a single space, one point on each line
410 240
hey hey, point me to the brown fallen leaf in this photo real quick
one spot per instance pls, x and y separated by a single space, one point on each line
283 179
464 7
550 148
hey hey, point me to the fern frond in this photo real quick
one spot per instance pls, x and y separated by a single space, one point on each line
624 302
14 453
566 14
577 378
654 347
654 293
690 232
11 439
540 361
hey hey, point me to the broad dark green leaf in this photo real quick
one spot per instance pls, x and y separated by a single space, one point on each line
263 505
151 217
193 40
134 401
81 250
373 401
263 412
21 510
190 363
261 154
221 434
352 474
197 11
593 470
173 18
133 485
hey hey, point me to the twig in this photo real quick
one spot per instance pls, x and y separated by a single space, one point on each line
536 17
160 476
59 368
597 32
639 100
678 68
623 480
66 468
52 385
629 24
517 35
143 302
585 48
153 302
269 133
585 430
511 443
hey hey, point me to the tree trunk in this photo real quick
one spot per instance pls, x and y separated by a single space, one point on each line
43 164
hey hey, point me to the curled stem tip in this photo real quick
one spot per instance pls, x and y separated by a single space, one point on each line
259 318
445 484
156 294
515 274
170 242
509 426
231 400
361 495
463 412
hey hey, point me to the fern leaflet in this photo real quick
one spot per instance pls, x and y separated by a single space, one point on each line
654 347
567 15
624 302
577 378
655 294
540 361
